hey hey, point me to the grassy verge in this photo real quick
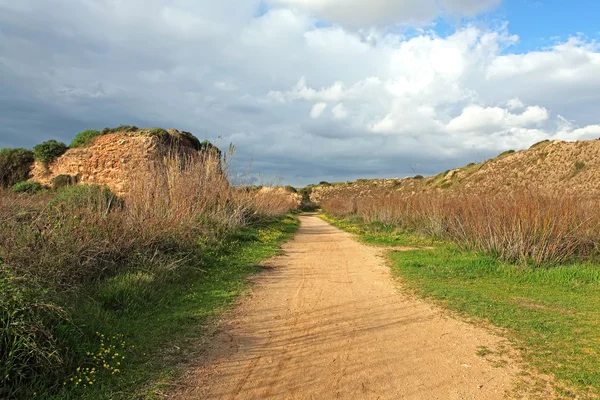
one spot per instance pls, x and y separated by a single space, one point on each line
552 315
154 328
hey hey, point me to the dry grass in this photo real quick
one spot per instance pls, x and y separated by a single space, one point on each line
524 227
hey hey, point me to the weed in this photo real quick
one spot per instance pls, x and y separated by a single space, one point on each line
28 187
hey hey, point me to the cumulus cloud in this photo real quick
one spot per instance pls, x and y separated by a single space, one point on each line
477 120
317 110
339 111
350 103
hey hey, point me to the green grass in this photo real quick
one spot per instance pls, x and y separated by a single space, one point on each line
551 315
162 323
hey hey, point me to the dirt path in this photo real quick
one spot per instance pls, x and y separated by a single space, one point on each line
328 322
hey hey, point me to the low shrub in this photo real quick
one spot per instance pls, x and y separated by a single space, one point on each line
579 165
15 166
49 151
120 128
85 138
540 144
158 132
507 152
61 181
27 187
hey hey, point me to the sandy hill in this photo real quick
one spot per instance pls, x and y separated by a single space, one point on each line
552 167
112 158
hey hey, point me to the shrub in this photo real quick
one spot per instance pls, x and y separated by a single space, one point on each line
506 153
27 187
579 165
418 177
291 189
195 142
85 138
325 183
62 181
15 165
49 151
158 132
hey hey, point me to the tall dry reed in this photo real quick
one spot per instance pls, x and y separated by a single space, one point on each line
524 227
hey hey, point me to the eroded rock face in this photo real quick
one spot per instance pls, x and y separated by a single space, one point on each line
110 160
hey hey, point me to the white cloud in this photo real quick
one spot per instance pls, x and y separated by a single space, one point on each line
317 110
514 104
478 120
339 111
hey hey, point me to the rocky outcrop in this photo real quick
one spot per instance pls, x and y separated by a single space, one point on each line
110 160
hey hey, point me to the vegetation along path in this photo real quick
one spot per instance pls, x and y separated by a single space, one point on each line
329 322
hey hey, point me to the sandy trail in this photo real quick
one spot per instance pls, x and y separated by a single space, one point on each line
328 322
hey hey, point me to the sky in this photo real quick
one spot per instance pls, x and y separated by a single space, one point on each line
307 90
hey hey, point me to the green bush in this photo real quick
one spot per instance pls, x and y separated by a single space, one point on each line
27 187
85 138
418 177
49 151
291 189
15 165
579 165
325 183
62 181
79 197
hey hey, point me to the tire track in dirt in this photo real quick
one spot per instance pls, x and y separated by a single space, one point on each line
328 322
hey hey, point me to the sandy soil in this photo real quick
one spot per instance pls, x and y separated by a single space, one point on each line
328 322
